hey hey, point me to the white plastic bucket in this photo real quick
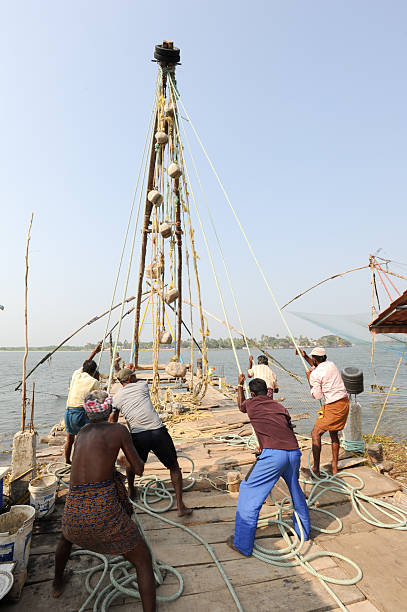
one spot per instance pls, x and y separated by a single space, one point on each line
16 528
42 494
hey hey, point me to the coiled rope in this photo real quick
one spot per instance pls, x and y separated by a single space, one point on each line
293 555
121 581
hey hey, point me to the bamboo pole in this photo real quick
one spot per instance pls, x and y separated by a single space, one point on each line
394 274
324 281
111 346
24 393
147 214
32 409
372 282
178 234
388 394
48 355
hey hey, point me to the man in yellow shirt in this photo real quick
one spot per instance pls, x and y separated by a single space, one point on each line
83 381
262 370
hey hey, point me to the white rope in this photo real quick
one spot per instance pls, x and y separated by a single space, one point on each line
217 239
127 230
131 255
241 228
229 280
206 243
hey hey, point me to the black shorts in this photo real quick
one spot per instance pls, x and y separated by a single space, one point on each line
160 442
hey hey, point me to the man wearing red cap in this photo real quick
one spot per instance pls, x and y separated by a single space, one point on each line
325 381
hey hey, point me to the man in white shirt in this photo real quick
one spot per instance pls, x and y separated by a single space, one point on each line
326 382
262 370
83 381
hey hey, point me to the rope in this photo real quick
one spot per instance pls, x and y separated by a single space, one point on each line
390 388
126 234
204 543
129 267
242 230
389 279
217 240
293 555
119 585
226 268
200 388
356 446
207 248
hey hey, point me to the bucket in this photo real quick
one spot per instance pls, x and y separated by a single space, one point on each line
16 528
42 494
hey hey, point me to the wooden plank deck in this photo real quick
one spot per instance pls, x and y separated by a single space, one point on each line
260 587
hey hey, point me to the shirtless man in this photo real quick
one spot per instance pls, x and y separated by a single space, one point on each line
97 513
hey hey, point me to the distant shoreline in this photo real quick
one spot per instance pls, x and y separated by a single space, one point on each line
68 350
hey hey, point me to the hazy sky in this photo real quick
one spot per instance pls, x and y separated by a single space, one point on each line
302 106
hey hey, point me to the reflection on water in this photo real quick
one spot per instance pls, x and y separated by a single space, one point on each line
52 379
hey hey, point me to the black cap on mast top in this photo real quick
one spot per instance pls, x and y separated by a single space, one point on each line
166 53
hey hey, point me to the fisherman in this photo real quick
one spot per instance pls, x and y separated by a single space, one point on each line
83 381
280 456
325 380
262 370
147 430
97 513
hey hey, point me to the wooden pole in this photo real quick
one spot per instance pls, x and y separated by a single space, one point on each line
48 355
147 214
111 346
324 281
32 409
178 234
24 391
372 282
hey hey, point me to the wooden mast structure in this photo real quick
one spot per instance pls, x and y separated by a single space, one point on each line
167 56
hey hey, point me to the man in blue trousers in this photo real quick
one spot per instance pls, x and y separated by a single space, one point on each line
280 457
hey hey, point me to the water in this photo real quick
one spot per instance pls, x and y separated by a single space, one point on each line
52 380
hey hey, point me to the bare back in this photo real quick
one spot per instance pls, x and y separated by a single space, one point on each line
96 448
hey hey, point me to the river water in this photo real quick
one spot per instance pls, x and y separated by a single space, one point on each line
52 380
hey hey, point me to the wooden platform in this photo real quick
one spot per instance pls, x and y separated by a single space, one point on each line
381 553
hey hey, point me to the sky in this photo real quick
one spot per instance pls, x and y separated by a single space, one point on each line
301 106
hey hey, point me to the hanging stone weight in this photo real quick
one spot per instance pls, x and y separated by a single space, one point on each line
174 170
169 109
165 337
171 296
155 197
153 271
176 369
161 138
165 230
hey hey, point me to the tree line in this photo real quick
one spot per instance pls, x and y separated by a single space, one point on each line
267 342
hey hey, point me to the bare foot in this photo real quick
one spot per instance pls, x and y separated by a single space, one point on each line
184 511
334 469
58 585
229 542
307 472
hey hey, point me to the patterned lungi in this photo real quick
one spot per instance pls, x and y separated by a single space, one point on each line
97 517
